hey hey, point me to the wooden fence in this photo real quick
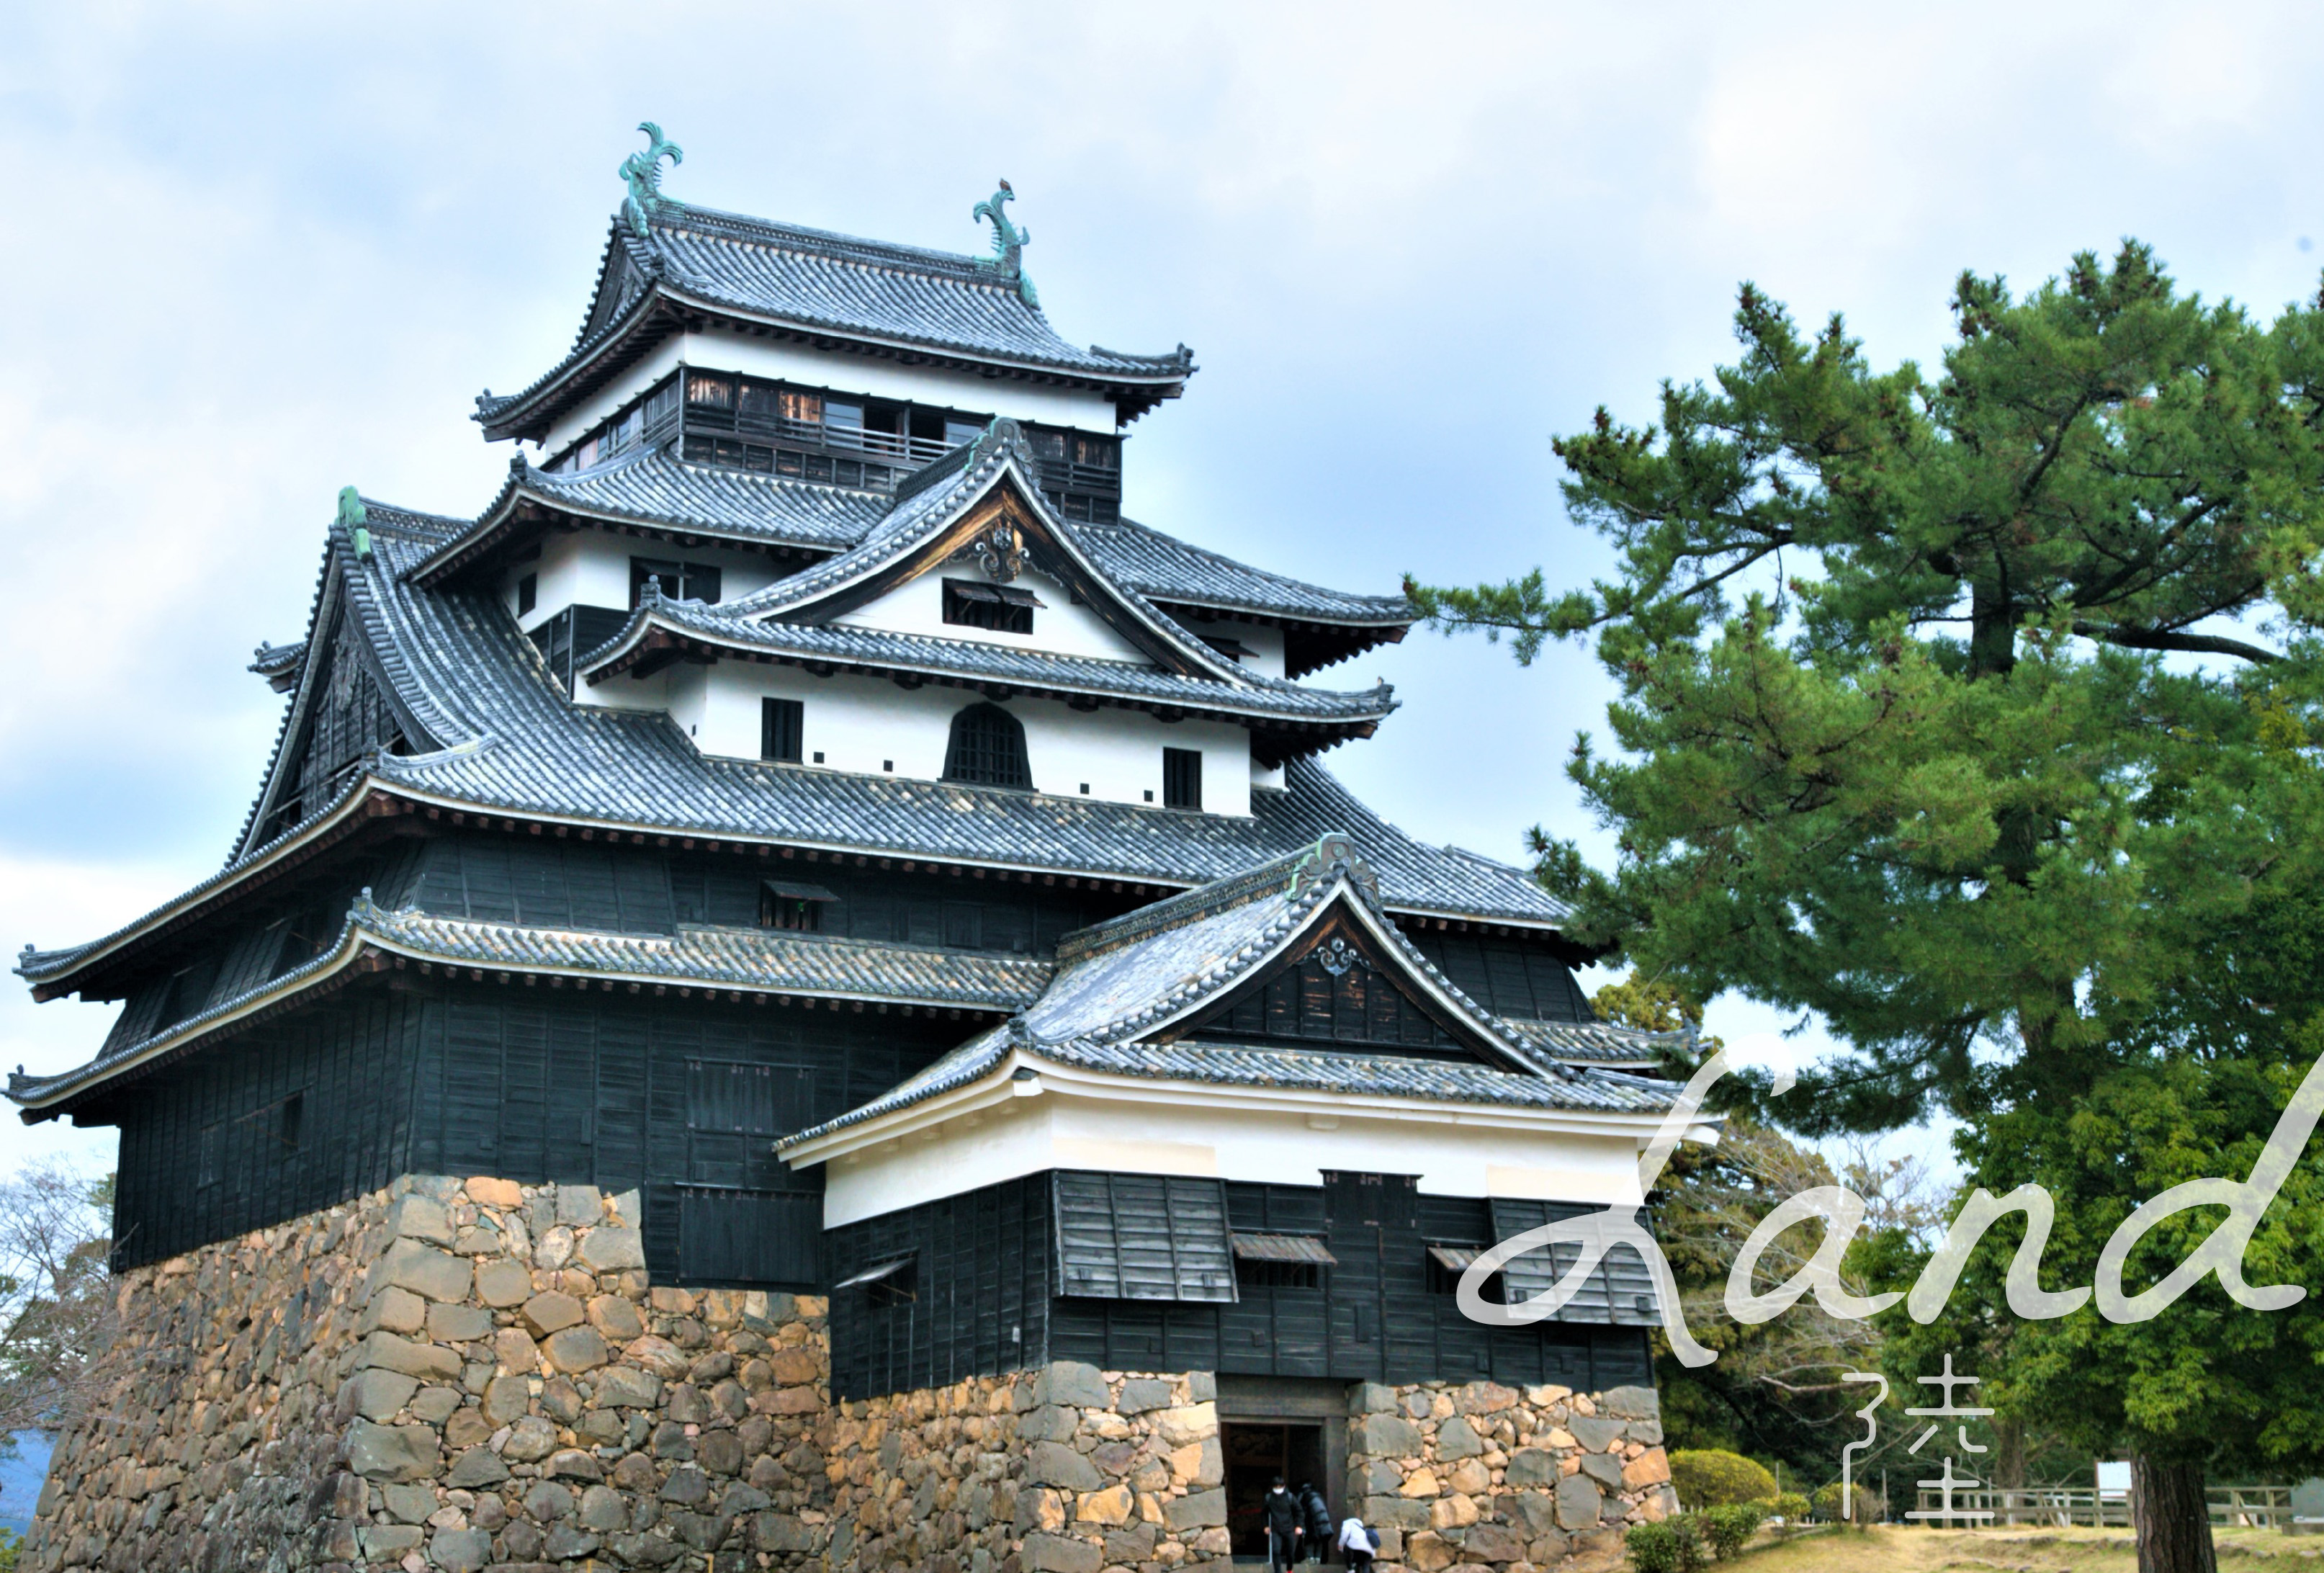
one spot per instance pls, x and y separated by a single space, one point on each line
2252 1506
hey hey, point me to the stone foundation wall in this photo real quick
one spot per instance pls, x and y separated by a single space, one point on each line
1507 1478
461 1376
450 1375
1068 1469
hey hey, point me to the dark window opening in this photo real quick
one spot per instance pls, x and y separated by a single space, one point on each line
528 593
1279 1275
987 748
785 903
289 1118
1001 608
1448 1264
782 730
1181 778
680 581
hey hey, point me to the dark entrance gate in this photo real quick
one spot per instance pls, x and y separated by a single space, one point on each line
1291 1426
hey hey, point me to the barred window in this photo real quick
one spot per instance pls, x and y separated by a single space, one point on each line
782 729
988 748
1181 778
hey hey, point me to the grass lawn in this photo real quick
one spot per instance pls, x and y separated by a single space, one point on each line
2019 1551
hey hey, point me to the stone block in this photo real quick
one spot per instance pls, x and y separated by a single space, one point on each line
1134 1543
628 1208
377 1394
625 1387
566 1542
489 1192
407 1504
530 1440
1491 1542
1396 1513
460 1551
387 1542
467 1428
1485 1398
1651 1468
609 1249
477 1466
503 1283
1195 1510
1110 1507
505 1398
421 1218
551 1311
1452 1513
1387 1436
1595 1433
658 1355
378 1452
434 1405
1055 1463
795 1367
1372 1398
1529 1466
385 1351
399 1310
573 1464
602 1508
579 1204
574 1350
1649 1432
1535 1511
1141 1393
1048 1423
425 1271
1427 1551
1073 1384
514 1352
720 1452
686 1486
1060 1554
458 1324
1604 1469
1420 1482
1039 1508
1470 1477
1577 1503
1631 1404
1191 1423
613 1316
1457 1438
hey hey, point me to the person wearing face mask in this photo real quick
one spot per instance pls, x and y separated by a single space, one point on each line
1280 1513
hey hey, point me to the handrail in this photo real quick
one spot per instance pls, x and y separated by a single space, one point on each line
2252 1506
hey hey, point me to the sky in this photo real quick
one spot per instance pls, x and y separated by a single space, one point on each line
264 251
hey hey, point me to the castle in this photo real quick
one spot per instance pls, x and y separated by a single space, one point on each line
796 994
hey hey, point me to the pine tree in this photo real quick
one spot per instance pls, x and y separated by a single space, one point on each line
1945 701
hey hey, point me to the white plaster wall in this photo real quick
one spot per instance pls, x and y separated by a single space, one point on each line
591 568
842 372
1264 644
867 724
1026 1135
917 606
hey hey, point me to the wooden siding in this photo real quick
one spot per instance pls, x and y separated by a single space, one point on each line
1527 980
203 1155
983 1267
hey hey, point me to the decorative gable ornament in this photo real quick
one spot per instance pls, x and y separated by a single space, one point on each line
998 551
1009 244
642 172
1338 955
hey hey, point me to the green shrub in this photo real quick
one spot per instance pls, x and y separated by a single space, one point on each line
1731 1525
10 1544
1868 1506
1790 1507
1706 1477
1673 1546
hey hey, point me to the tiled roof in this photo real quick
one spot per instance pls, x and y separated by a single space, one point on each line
1119 984
756 960
1586 1043
653 485
1165 568
886 650
891 296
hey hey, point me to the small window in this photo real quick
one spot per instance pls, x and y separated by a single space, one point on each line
662 401
782 729
793 405
1278 1275
1096 452
528 593
712 392
841 416
288 1120
1181 778
680 581
987 747
1448 1264
999 608
789 905
959 433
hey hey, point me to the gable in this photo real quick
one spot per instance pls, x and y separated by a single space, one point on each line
1338 988
343 712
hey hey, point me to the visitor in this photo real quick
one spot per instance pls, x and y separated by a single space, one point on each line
1281 1513
1357 1543
1316 1515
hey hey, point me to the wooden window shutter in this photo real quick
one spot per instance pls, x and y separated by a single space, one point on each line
1143 1237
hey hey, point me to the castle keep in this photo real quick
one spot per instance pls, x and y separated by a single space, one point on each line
796 994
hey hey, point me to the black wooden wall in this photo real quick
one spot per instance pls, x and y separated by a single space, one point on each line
984 1299
680 1099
